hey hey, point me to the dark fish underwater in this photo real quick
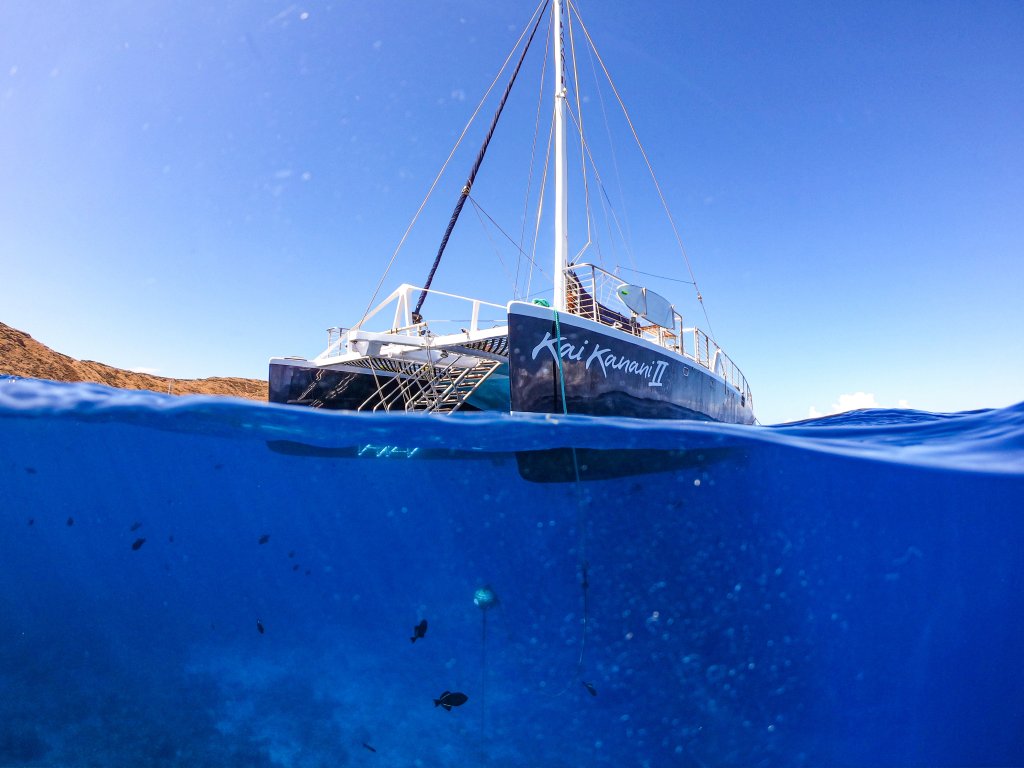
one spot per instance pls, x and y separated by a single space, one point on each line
448 699
837 592
419 631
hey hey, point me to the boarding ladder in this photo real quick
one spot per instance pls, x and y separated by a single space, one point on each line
451 387
394 391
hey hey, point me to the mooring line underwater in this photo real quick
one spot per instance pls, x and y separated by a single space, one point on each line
484 599
581 527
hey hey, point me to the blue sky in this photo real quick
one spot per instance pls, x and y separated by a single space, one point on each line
193 188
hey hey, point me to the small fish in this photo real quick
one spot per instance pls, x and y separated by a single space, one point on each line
291 553
135 526
31 521
171 538
419 631
137 544
264 538
449 700
259 626
71 521
30 470
295 567
590 687
367 746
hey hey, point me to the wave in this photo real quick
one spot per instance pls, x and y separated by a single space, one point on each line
983 441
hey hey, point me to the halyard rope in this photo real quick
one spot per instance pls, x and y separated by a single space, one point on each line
451 154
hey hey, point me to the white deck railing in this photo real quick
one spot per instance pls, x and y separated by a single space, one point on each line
592 292
464 315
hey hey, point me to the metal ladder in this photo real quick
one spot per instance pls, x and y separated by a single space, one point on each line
451 387
391 389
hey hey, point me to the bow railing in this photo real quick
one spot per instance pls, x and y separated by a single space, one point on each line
592 292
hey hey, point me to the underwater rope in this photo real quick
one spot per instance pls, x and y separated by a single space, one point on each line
484 599
581 524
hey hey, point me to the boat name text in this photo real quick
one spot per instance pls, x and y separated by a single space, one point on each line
603 357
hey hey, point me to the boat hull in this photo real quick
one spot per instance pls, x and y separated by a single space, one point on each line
329 388
607 372
352 389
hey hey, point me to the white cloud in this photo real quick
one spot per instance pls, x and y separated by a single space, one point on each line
855 402
852 402
459 95
141 369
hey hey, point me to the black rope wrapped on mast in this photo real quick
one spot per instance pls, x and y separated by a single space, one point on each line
416 317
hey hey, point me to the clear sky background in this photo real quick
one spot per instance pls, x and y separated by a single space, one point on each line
193 188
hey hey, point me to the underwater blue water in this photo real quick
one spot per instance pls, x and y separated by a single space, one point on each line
848 591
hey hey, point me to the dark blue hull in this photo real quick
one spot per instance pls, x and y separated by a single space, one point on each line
320 387
607 372
333 389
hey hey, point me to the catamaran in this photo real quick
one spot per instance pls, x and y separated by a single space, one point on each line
600 346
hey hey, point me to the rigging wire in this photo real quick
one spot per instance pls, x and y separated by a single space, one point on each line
651 274
480 210
597 177
444 166
487 232
609 214
627 237
579 111
650 169
472 174
533 155
540 203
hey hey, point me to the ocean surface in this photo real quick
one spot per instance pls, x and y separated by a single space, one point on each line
213 582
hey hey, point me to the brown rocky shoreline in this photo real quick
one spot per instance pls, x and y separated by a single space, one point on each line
21 355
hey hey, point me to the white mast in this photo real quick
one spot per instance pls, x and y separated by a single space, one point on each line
561 205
